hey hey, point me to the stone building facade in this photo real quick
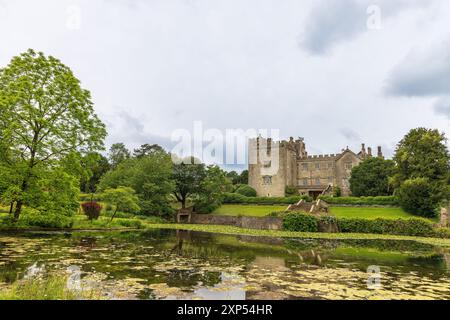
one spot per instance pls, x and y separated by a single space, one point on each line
275 165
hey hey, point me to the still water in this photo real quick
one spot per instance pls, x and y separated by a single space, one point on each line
167 264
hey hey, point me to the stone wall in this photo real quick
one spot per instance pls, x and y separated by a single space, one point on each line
265 223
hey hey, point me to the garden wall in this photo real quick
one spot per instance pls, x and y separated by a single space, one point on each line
264 223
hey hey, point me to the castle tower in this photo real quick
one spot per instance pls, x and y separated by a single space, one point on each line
273 165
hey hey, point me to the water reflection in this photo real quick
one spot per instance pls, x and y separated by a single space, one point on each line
165 264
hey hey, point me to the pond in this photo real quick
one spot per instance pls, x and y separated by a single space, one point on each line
169 264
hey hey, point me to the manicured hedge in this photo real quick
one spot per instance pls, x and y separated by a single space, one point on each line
302 222
403 227
362 201
234 198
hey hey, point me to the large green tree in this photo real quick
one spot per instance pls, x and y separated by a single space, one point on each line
45 115
124 199
189 177
371 178
146 150
422 158
212 190
422 153
96 166
203 185
118 153
149 176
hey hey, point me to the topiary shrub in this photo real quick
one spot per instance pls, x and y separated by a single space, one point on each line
300 222
92 210
419 197
246 191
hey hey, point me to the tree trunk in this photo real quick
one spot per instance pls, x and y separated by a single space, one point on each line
11 207
183 203
114 214
18 210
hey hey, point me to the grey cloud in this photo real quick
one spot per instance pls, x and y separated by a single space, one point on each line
126 128
422 73
334 21
331 22
350 134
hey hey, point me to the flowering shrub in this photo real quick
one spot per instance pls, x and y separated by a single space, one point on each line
92 210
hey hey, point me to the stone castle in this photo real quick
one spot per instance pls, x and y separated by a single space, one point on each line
273 166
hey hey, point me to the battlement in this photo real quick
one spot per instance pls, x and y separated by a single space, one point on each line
297 146
319 157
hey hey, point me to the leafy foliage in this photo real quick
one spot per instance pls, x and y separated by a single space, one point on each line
149 176
123 198
246 190
45 116
212 190
96 166
420 197
423 171
422 153
237 178
117 154
371 178
407 227
146 150
189 176
300 222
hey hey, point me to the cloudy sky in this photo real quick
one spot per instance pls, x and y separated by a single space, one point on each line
336 72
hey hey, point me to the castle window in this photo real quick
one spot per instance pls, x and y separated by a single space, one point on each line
267 164
305 182
267 180
305 167
317 181
348 165
317 166
330 165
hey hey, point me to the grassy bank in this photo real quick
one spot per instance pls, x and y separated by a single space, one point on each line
247 210
51 288
287 234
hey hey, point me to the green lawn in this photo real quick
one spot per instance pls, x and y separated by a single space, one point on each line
248 210
340 212
369 213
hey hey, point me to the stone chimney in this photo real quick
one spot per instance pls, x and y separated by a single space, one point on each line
380 153
363 150
369 152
